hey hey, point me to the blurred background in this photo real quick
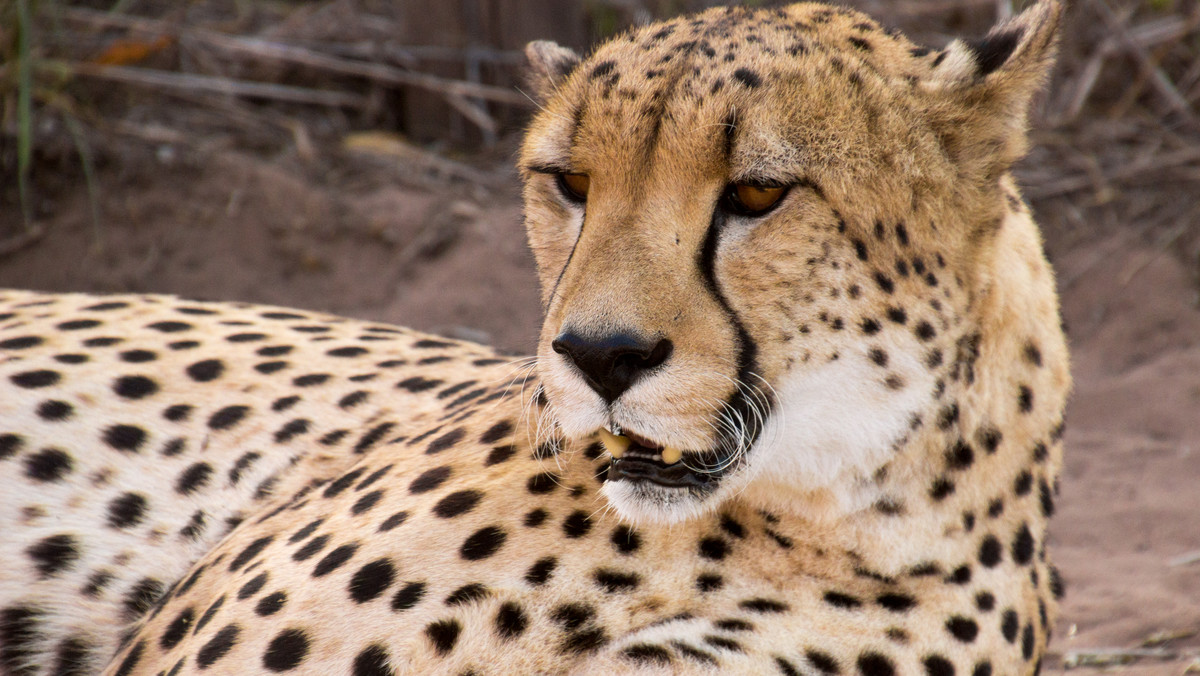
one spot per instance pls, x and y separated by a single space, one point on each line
355 156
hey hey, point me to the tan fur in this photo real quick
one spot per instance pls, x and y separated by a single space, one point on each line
888 518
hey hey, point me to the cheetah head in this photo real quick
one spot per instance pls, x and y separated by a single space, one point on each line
756 232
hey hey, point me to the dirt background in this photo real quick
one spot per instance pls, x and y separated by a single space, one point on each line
399 208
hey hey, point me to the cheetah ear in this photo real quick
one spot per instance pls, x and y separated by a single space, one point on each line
549 64
983 88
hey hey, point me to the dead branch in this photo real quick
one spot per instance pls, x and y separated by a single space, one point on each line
146 77
278 51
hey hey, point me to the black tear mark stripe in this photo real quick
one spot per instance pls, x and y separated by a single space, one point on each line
570 257
746 347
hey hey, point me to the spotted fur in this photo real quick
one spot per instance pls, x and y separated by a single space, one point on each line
867 382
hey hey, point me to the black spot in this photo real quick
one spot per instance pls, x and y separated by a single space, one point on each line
1027 641
962 628
985 601
941 489
936 665
874 664
252 587
141 597
925 331
366 502
21 343
206 371
102 342
418 384
990 551
311 379
499 454
577 524
960 575
724 643
372 661
53 554
429 480
353 399
311 547
343 482
125 510
9 445
541 571
443 634
613 581
896 602
177 412
1022 546
870 327
334 559
732 624
878 356
393 521
821 661
540 484
252 550
572 615
445 441
372 580
19 638
178 627
218 646
1045 498
992 50
131 659
747 77
287 650
496 432
713 548
271 603
510 620
35 379
54 410
1025 399
193 478
761 605
840 600
625 539
706 582
134 387
227 417
536 518
482 543
408 596
48 464
1023 484
459 502
78 324
646 653
884 282
467 593
583 641
960 455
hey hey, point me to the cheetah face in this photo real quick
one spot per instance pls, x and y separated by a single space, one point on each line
751 235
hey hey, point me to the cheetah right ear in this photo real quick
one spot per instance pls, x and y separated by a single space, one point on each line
982 88
549 64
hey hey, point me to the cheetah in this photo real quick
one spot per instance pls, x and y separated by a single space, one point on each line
796 407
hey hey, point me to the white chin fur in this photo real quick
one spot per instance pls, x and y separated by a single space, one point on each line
649 504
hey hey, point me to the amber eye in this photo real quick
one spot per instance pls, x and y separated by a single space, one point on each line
574 186
743 199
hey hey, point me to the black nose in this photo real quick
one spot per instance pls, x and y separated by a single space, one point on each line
611 363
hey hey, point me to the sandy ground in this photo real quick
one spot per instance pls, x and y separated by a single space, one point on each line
452 260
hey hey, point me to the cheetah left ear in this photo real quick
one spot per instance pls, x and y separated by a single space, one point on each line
983 88
549 64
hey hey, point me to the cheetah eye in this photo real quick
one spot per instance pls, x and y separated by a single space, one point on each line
574 186
745 199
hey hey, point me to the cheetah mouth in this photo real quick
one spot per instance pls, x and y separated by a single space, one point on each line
638 460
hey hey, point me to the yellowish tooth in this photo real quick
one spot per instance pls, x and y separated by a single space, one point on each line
671 455
615 444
